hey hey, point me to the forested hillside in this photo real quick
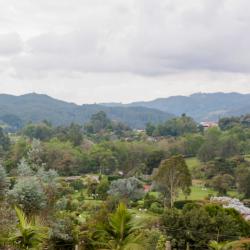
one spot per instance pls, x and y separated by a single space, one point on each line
202 106
18 110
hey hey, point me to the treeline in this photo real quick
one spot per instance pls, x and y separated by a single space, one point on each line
105 157
74 178
174 127
101 146
108 147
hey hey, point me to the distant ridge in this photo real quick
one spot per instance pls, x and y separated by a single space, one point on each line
38 107
201 106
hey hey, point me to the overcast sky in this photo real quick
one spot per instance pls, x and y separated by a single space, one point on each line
88 51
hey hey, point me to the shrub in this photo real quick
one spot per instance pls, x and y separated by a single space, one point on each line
154 238
113 177
180 204
156 208
74 205
3 182
130 188
28 194
77 184
149 199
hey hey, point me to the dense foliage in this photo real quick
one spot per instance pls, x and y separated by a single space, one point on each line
67 184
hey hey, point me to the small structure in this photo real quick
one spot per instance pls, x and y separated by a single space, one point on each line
147 188
72 178
207 125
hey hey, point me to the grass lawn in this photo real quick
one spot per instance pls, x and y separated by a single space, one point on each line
143 216
247 157
198 193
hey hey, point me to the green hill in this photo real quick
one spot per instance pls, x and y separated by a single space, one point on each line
18 110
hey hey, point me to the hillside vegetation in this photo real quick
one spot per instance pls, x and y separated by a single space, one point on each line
103 185
16 111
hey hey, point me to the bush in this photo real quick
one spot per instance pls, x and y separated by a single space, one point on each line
64 189
28 194
113 178
77 184
149 199
154 238
3 182
62 204
81 197
131 189
102 188
74 205
63 231
180 204
13 181
156 208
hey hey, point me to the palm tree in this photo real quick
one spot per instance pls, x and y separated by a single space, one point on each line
29 234
120 233
214 245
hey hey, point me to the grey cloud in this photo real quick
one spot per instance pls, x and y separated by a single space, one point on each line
10 44
142 37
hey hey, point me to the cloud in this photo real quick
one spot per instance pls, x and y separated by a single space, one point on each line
144 37
10 44
118 44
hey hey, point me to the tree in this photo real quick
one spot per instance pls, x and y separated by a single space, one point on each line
98 122
227 123
29 234
176 127
242 179
64 231
72 133
16 153
153 160
192 143
4 140
222 183
29 195
35 154
129 189
102 188
103 159
14 122
219 166
49 185
210 147
229 146
24 169
173 175
198 225
64 158
41 131
3 182
150 128
120 233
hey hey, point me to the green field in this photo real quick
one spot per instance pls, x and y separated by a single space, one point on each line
247 157
198 193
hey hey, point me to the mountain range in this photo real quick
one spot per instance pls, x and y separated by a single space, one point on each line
201 106
17 110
